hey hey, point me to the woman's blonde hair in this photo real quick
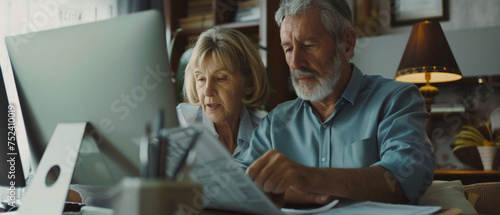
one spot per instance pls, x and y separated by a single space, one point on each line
231 50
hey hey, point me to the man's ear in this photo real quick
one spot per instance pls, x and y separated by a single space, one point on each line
349 41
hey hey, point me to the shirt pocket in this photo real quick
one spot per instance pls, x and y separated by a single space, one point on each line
362 153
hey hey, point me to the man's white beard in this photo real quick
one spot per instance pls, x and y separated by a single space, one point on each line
318 91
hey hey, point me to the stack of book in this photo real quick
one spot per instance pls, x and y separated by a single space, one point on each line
199 21
199 15
198 7
248 10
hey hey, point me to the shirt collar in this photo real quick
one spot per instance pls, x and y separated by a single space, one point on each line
245 129
351 91
209 125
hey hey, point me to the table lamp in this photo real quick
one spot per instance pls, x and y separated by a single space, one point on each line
428 59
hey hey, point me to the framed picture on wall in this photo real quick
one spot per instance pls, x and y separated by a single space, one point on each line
408 12
365 17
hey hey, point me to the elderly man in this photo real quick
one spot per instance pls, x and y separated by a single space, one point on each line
347 134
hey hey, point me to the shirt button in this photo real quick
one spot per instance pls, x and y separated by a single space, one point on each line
324 126
323 159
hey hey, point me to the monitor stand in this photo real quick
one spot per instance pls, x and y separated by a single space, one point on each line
48 190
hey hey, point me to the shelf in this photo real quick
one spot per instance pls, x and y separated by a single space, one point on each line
468 176
264 29
190 31
252 26
466 172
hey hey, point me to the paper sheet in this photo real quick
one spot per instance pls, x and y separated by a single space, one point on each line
226 186
376 208
312 210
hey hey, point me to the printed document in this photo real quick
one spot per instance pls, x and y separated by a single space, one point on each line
377 208
225 184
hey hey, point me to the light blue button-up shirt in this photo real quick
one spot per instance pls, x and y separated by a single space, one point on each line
377 122
190 115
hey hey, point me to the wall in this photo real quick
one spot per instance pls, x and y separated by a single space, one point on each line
25 16
464 14
475 50
471 32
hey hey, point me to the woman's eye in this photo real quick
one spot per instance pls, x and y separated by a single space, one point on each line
221 78
200 79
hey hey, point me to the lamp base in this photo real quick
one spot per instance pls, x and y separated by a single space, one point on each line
428 91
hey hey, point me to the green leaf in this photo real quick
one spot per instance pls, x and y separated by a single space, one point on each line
460 146
470 135
488 128
473 129
467 142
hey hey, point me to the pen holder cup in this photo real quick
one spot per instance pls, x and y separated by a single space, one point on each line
137 196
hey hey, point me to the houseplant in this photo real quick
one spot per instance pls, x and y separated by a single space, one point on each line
470 136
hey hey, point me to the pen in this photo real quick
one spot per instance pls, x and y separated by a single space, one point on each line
188 166
154 140
144 153
162 146
163 151
188 154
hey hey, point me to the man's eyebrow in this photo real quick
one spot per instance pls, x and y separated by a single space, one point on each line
285 44
310 39
307 39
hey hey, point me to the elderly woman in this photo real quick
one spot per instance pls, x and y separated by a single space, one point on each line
226 87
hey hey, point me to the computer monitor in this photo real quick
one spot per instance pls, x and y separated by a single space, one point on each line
114 74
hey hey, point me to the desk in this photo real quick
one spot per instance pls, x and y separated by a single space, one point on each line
468 176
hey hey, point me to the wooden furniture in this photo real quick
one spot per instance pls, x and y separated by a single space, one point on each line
468 176
222 13
484 197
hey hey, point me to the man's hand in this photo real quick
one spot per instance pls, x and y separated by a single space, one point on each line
299 197
277 199
276 174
